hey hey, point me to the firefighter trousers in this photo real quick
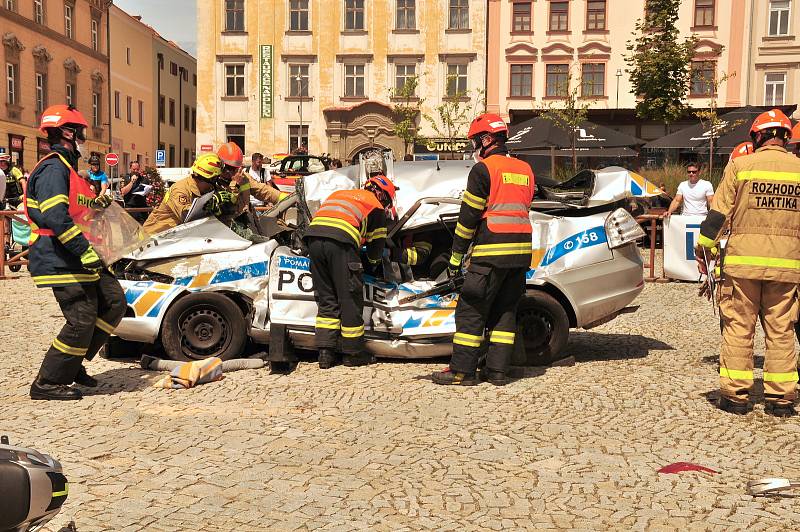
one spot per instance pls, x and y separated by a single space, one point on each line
741 303
488 302
92 311
337 273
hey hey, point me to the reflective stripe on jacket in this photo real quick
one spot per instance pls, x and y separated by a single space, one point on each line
759 198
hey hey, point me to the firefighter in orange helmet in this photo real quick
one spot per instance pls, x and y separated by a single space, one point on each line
758 199
57 201
240 183
745 148
344 222
494 217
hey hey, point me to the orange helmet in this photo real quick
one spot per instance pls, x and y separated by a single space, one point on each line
745 148
231 154
774 119
487 123
61 115
385 185
795 134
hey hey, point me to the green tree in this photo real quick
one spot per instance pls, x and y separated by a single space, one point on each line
407 111
659 62
570 111
709 118
452 117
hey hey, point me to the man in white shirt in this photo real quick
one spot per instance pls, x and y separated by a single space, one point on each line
259 173
695 194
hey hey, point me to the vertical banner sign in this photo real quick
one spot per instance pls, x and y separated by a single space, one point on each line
266 81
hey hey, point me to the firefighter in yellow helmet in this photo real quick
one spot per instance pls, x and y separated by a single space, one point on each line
178 200
758 200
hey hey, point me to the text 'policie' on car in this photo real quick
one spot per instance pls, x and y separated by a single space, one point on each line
199 290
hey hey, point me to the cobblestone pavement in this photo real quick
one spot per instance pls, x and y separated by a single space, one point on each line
383 448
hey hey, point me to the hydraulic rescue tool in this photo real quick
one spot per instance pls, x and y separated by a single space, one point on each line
439 289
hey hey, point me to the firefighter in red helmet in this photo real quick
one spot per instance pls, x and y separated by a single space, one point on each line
494 218
61 258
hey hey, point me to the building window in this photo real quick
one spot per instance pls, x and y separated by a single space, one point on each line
194 120
235 134
186 160
704 13
173 68
778 17
234 80
774 88
129 109
559 16
298 80
172 155
234 15
459 14
194 80
161 108
71 93
354 80
94 34
116 104
703 75
11 83
406 17
593 79
95 109
141 113
297 137
354 14
596 15
522 16
298 15
403 74
41 92
557 81
521 80
38 11
456 80
171 112
128 56
11 5
68 20
186 118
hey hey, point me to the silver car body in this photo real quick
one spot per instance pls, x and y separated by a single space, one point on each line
572 258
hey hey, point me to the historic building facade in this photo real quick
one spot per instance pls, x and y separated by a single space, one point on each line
53 51
276 75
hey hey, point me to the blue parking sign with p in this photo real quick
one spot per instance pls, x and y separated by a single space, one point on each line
161 157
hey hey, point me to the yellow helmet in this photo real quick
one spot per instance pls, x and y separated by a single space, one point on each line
207 166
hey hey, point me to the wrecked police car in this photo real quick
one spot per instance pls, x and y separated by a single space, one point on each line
199 290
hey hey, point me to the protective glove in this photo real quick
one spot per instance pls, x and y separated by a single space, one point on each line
91 261
101 202
701 254
218 201
454 265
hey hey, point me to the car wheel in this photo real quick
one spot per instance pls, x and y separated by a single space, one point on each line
204 325
544 327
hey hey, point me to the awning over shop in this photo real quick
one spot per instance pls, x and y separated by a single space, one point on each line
582 152
542 134
734 128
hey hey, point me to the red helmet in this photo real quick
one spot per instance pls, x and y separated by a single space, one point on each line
385 184
61 115
771 120
745 148
795 134
231 154
487 123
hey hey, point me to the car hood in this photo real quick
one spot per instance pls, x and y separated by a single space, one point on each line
208 235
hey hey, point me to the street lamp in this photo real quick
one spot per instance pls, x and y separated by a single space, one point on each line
619 75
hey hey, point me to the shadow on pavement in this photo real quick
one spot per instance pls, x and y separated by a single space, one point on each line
756 394
119 380
588 346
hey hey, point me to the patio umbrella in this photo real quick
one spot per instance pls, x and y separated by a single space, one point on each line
540 133
734 128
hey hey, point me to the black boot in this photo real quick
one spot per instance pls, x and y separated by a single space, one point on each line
455 378
84 379
498 378
41 389
327 358
361 359
732 406
777 409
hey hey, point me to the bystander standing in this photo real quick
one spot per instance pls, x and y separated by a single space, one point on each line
694 194
134 191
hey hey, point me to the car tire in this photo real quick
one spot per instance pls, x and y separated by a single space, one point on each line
204 325
543 326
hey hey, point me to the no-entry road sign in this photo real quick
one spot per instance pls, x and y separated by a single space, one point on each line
112 159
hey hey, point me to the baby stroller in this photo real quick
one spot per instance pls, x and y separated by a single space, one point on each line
20 236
